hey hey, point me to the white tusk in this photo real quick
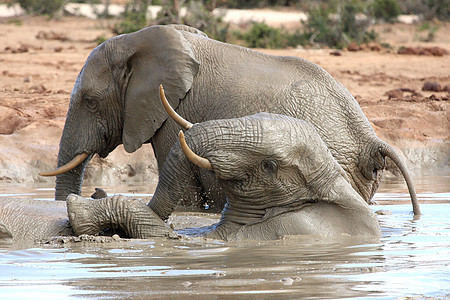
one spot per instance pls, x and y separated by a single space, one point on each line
67 167
193 158
186 125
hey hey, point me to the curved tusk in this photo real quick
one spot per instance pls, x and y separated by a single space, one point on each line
193 158
67 167
186 125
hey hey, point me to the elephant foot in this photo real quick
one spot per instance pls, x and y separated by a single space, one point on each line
130 215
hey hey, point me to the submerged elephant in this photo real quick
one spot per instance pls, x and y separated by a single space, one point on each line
114 101
277 173
25 220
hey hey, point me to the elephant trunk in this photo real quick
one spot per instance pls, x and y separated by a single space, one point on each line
173 180
70 182
131 215
389 151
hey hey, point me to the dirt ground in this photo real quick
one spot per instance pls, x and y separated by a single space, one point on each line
40 60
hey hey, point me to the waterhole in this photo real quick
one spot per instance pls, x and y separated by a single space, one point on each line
412 259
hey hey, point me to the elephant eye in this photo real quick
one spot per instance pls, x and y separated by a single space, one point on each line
269 166
378 166
375 173
91 102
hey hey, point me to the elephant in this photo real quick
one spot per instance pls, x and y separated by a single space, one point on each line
114 101
278 176
26 220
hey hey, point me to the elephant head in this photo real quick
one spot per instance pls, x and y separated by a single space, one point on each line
278 175
115 98
271 168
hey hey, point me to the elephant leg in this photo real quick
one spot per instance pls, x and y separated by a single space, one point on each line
192 196
213 197
201 191
129 214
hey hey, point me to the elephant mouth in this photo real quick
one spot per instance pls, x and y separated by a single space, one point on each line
75 162
104 154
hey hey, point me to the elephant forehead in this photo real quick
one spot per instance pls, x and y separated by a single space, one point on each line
287 131
93 81
267 135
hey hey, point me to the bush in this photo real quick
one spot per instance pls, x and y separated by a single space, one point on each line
134 17
336 25
200 17
320 28
41 7
387 10
261 35
428 9
426 31
249 3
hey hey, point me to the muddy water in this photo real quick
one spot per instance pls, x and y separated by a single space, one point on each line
411 259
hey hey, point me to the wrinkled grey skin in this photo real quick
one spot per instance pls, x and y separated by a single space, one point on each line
115 101
30 220
277 173
24 220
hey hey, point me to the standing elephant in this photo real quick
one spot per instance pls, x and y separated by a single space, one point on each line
115 101
278 176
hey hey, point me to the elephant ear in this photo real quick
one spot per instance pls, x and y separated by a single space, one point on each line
160 55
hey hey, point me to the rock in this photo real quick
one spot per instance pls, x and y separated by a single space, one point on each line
395 94
435 97
12 120
374 46
38 88
407 50
336 53
435 51
21 49
51 35
290 280
219 274
383 212
287 281
432 86
186 284
353 47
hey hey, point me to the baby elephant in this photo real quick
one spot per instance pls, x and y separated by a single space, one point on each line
278 176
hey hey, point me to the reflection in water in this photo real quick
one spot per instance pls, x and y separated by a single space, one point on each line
411 259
